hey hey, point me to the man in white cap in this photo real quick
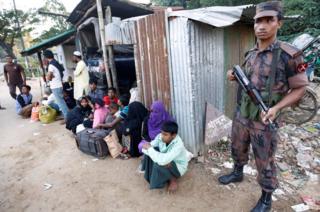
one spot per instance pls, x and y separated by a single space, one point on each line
81 76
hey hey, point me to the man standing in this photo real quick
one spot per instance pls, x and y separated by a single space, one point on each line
14 75
274 68
81 76
55 76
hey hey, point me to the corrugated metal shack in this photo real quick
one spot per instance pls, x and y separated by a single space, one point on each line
148 36
204 44
182 57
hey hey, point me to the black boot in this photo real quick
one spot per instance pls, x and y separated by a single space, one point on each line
235 176
264 203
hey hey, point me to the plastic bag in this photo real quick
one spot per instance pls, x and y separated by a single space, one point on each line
47 114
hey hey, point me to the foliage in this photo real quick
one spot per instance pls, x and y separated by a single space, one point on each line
59 23
309 22
9 30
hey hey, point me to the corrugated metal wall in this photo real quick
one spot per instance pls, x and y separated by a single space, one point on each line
152 59
197 68
238 39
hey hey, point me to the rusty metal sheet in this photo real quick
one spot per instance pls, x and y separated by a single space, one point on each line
152 59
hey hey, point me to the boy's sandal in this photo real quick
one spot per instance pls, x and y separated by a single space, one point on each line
124 156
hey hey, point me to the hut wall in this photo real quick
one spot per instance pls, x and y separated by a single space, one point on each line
151 55
197 68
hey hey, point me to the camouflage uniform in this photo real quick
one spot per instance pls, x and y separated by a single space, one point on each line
262 138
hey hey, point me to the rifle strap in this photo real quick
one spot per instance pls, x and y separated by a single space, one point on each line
275 59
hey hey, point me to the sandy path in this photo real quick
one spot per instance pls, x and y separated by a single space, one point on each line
29 160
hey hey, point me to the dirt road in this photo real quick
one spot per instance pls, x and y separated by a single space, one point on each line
32 154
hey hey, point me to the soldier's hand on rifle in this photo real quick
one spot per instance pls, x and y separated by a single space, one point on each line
230 75
271 115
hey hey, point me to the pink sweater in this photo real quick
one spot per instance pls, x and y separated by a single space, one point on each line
100 115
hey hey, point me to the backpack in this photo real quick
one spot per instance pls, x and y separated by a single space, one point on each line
59 67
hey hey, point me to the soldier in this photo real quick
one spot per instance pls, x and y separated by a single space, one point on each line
274 68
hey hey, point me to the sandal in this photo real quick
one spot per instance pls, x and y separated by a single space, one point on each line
124 156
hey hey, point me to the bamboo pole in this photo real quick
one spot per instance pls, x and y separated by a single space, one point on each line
111 55
103 42
43 73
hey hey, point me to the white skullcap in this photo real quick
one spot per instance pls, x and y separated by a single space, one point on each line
77 53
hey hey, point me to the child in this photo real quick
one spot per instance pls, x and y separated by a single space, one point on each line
111 97
24 102
50 100
165 158
113 110
123 103
100 113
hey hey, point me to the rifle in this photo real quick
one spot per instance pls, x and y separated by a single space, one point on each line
251 91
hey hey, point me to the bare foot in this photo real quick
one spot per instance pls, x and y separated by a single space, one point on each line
173 186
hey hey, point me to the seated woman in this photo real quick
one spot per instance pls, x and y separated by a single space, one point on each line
100 113
165 158
79 114
132 126
152 123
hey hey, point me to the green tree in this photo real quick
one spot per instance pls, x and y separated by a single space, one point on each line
308 22
9 31
59 23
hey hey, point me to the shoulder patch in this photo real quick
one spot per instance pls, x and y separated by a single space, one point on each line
290 49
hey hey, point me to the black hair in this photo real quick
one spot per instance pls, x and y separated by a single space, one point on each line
27 87
170 127
48 54
112 89
124 99
99 102
79 57
93 81
114 105
9 55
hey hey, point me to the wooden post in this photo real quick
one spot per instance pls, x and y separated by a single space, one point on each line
110 54
43 73
103 41
41 65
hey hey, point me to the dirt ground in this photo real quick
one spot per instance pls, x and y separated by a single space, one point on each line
32 154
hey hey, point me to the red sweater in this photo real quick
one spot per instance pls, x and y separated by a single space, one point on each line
107 100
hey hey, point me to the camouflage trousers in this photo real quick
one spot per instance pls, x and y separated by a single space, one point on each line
264 145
